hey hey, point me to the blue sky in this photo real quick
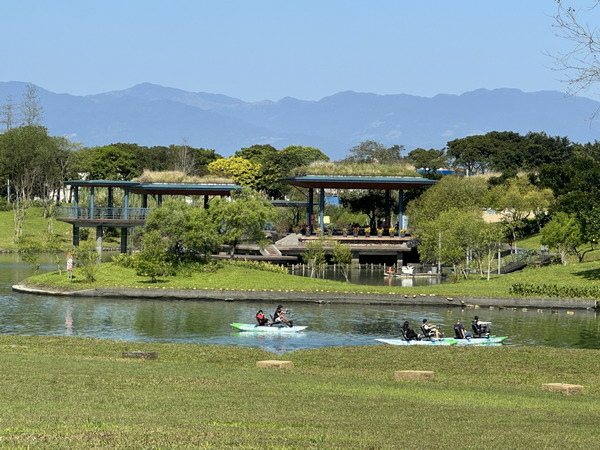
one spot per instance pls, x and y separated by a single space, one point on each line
270 49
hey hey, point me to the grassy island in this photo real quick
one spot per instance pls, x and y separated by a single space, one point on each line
230 277
81 393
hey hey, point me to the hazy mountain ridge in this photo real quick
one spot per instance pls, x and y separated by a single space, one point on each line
149 114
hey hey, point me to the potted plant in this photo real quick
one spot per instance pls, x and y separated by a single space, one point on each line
367 231
379 232
392 231
344 232
402 232
355 231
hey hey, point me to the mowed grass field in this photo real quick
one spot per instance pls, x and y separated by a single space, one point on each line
81 393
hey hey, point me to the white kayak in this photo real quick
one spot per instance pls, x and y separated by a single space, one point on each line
413 342
267 329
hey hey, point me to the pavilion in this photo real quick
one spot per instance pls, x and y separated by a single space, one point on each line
131 207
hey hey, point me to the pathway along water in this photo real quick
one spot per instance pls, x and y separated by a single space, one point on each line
186 321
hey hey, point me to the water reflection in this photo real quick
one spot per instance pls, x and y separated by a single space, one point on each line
148 320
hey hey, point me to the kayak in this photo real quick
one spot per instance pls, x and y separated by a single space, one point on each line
491 340
267 329
448 341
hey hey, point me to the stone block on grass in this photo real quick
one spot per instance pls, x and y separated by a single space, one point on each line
273 364
140 355
564 388
410 375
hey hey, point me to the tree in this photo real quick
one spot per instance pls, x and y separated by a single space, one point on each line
243 171
451 192
151 261
110 162
564 234
342 256
314 257
30 160
31 109
374 152
8 113
86 258
244 216
581 63
449 237
516 200
188 231
428 160
184 161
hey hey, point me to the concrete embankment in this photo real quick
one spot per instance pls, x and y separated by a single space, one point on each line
319 297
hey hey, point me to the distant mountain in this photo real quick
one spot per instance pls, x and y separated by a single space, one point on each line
148 114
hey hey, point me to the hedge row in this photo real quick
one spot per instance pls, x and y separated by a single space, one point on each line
554 290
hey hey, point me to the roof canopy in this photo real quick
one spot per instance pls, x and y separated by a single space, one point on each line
358 182
160 188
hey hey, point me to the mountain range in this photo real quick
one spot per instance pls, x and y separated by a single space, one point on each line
149 114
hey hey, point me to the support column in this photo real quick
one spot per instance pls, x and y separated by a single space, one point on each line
159 200
388 202
75 236
126 204
76 202
399 259
99 239
401 221
110 203
322 210
309 209
92 202
123 240
206 202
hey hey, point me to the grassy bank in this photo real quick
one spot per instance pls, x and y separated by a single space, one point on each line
75 393
241 278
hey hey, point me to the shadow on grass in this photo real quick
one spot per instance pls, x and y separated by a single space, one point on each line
593 274
154 282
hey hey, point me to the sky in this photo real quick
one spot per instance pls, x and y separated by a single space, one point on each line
270 49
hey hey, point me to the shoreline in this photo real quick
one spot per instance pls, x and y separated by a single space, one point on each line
319 297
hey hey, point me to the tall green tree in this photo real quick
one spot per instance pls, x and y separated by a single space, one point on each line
242 217
188 231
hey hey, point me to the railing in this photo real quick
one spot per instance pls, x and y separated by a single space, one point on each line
102 213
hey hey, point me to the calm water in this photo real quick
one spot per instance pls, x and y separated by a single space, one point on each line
146 320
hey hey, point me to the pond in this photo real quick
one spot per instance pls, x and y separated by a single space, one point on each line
148 320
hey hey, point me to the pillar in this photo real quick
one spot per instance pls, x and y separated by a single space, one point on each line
206 202
388 202
309 209
75 236
99 239
159 200
126 204
123 240
322 210
92 195
110 203
76 203
401 222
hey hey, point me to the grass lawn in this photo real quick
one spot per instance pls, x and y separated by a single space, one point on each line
242 278
80 393
36 225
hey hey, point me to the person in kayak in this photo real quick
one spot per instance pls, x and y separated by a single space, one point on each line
430 331
408 333
261 319
460 332
279 317
479 327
